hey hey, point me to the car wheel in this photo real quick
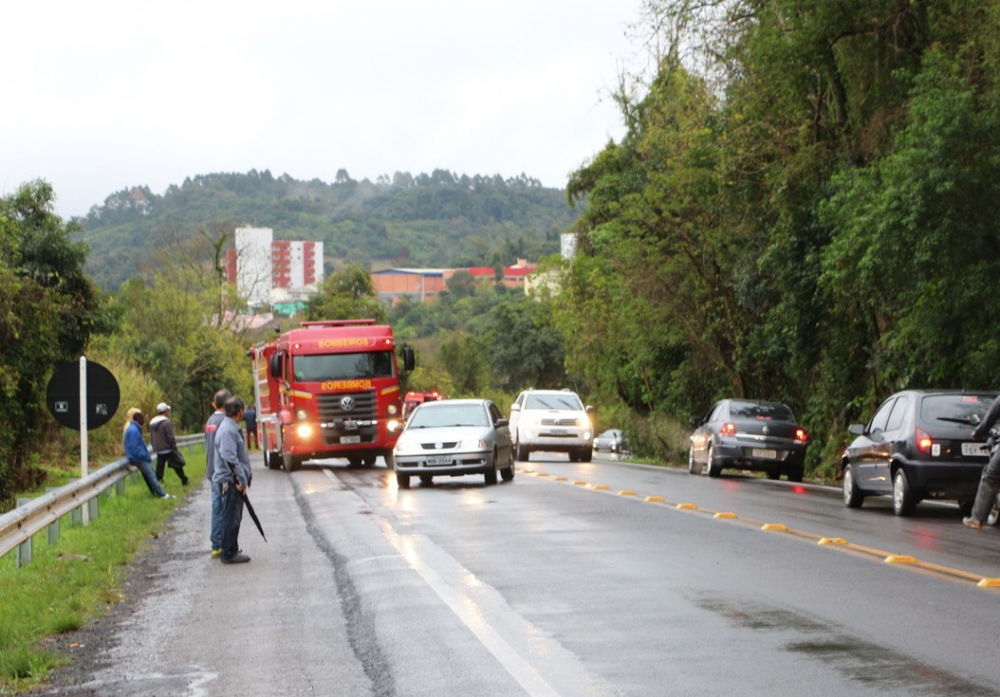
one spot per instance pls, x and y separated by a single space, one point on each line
853 498
794 474
903 498
774 474
507 473
491 473
573 457
426 479
693 467
714 469
586 455
522 451
403 480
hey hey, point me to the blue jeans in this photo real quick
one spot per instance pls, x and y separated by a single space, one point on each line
215 536
147 473
232 516
989 485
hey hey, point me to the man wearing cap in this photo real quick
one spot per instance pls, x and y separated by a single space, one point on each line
161 432
138 455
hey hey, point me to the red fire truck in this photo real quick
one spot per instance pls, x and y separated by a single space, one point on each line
329 389
415 399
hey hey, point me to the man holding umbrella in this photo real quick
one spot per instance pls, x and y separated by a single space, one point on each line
231 478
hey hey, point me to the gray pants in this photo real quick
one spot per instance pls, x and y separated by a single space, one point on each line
989 485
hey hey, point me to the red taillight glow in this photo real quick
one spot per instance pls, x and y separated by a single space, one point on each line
728 429
924 441
801 436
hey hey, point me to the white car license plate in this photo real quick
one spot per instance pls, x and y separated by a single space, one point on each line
558 431
350 439
438 461
765 454
973 449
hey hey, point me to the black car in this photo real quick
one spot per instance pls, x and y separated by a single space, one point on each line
749 435
917 446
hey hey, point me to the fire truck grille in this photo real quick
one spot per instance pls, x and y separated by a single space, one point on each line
342 424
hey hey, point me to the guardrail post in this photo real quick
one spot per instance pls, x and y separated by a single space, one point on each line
25 550
92 508
52 529
120 487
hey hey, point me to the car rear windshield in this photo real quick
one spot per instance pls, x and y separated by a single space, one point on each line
757 410
967 409
560 400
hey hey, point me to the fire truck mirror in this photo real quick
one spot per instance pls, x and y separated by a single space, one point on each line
274 366
408 359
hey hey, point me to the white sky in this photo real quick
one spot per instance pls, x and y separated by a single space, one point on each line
100 95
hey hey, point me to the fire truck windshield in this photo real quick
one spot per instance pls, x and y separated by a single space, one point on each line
343 366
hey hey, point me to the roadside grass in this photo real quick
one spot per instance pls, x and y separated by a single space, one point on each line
68 584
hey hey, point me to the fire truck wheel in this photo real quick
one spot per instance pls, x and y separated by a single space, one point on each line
292 463
389 459
271 460
403 480
354 461
369 460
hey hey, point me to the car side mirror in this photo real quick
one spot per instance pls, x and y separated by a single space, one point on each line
515 407
876 435
589 408
503 422
856 429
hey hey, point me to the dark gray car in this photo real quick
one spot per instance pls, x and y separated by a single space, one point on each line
918 445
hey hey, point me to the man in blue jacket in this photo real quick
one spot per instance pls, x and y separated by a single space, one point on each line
232 477
138 455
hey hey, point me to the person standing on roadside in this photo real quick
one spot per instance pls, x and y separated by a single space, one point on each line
161 433
232 478
211 426
138 455
250 423
989 484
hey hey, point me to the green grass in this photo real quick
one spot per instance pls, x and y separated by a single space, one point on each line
70 583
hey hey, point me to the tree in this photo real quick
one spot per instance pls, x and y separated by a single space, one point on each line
348 293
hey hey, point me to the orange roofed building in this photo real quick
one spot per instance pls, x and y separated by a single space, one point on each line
426 284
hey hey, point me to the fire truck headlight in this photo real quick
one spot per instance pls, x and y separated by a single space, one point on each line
301 415
303 431
393 409
393 425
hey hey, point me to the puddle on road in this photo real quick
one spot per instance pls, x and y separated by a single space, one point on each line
858 661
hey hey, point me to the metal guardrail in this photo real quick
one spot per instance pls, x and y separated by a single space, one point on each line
17 527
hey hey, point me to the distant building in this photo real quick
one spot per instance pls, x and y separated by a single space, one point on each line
266 271
427 284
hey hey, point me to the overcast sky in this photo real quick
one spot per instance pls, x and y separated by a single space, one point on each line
100 95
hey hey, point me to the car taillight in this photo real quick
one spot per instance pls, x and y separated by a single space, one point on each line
728 429
801 436
924 441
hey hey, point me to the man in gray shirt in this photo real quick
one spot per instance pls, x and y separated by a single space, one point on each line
217 417
232 476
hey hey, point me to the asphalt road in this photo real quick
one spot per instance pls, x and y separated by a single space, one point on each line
574 579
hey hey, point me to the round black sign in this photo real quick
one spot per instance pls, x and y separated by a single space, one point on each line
63 395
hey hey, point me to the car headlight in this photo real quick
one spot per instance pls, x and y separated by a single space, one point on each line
404 448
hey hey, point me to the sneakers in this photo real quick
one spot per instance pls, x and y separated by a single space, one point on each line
971 522
166 496
236 559
216 553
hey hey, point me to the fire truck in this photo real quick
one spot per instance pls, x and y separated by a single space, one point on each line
415 399
329 389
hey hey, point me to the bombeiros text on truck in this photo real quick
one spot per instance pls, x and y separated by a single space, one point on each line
329 389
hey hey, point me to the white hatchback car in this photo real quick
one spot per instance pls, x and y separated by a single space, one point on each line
552 420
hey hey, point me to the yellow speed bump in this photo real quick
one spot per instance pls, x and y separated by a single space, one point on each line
687 507
653 499
541 474
559 479
579 483
626 492
900 559
724 515
832 541
774 527
600 487
989 583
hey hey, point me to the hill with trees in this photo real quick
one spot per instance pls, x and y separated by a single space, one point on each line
439 220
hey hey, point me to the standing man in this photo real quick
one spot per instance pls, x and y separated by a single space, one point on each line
250 422
213 423
138 455
989 483
161 432
232 477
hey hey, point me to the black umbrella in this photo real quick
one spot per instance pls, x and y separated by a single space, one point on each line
246 500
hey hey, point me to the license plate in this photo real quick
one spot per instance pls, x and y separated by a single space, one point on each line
438 461
558 431
765 454
974 449
350 439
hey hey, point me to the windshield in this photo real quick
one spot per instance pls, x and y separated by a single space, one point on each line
565 401
343 366
757 410
452 415
958 408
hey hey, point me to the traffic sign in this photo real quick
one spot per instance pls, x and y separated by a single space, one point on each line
63 396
